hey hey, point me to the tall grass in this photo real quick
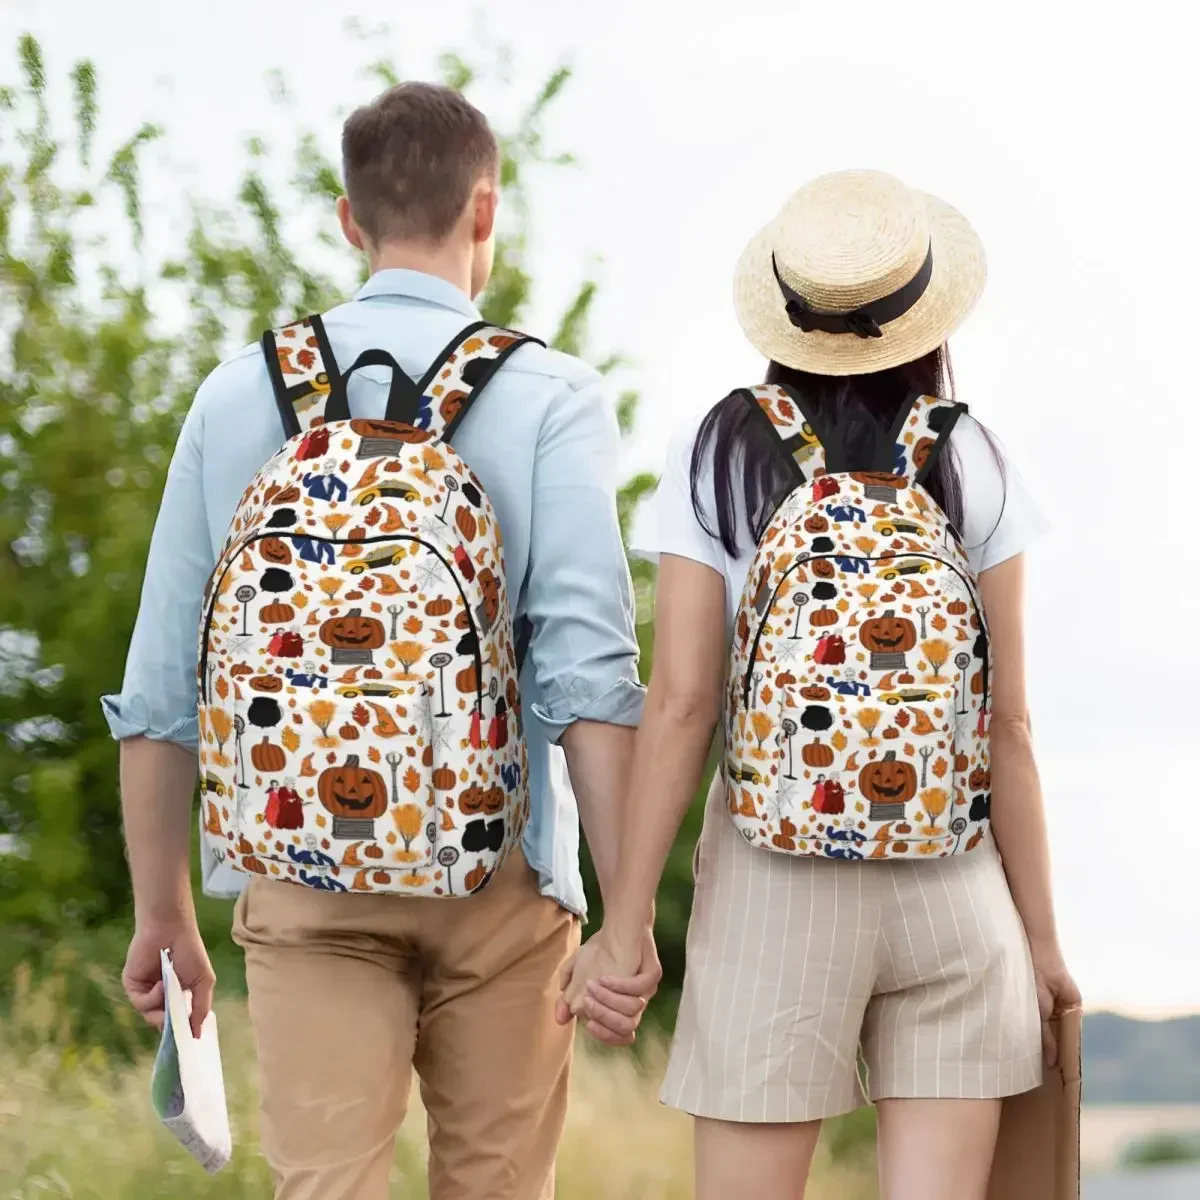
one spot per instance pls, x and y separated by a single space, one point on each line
77 1123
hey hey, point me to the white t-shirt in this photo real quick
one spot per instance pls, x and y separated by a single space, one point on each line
1000 518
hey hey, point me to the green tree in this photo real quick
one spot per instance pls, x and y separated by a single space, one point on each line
93 386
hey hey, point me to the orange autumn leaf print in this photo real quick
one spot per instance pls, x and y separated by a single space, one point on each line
412 780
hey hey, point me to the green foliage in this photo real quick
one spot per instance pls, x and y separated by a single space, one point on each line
93 386
1162 1149
851 1137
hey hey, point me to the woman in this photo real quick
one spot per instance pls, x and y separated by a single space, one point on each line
931 964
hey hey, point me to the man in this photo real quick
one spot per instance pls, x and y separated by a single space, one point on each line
349 993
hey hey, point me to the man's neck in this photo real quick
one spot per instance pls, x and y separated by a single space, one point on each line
450 263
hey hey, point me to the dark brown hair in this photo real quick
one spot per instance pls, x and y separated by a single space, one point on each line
410 159
855 413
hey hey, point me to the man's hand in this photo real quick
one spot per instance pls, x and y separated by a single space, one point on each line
142 977
609 988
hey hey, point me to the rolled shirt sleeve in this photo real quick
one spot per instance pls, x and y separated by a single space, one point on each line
158 694
579 596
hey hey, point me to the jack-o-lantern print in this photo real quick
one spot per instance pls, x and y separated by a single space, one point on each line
888 638
352 638
355 796
275 550
888 784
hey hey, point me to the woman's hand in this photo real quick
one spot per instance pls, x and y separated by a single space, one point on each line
1056 993
608 986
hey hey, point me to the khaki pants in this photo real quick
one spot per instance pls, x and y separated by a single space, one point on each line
348 993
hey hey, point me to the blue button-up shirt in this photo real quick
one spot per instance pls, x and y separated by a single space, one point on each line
544 442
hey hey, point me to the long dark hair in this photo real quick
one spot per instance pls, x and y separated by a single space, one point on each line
854 413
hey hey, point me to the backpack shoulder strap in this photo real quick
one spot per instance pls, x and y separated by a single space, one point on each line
310 389
783 413
922 430
462 370
304 374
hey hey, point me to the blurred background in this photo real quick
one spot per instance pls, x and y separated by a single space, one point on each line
166 186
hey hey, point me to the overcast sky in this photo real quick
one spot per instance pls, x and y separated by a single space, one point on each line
1068 139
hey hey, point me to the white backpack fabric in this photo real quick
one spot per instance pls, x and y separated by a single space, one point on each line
857 714
360 719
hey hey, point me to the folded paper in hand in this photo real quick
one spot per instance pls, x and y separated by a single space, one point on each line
187 1088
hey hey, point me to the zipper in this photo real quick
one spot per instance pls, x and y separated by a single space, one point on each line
382 537
746 683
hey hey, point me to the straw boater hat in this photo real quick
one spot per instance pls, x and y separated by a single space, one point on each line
858 273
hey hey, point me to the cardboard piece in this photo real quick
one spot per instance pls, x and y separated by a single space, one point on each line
1037 1152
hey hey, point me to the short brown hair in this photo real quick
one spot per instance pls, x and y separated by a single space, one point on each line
410 159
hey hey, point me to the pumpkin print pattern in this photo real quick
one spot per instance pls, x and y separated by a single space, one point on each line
360 720
857 715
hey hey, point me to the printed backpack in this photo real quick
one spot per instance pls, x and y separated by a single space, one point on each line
360 718
857 715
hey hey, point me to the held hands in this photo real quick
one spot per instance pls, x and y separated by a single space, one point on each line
608 987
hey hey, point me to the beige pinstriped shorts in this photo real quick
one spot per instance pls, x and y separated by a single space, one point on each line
800 971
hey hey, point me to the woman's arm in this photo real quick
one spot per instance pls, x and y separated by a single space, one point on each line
1018 818
1018 815
682 707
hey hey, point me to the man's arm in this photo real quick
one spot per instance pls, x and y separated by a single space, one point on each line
598 760
155 719
579 598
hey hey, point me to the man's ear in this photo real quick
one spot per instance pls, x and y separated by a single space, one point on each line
486 199
350 230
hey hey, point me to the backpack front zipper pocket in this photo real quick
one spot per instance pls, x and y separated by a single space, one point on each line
305 543
887 764
839 560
